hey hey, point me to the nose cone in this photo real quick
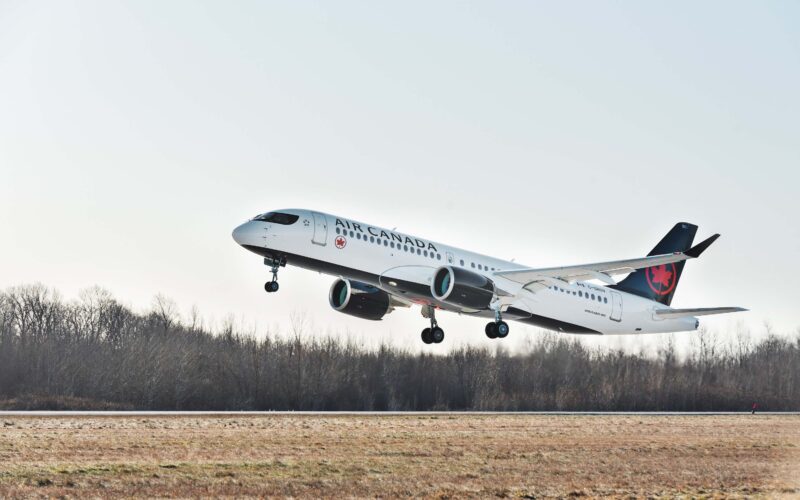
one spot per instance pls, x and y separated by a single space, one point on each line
243 234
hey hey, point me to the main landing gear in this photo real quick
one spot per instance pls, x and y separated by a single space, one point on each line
272 286
434 334
497 329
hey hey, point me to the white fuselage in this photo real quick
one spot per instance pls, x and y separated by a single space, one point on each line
404 266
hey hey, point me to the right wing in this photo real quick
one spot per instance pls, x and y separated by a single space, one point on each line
537 279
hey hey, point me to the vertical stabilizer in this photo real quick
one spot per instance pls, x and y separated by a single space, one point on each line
659 282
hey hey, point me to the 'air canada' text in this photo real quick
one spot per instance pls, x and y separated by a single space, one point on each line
381 233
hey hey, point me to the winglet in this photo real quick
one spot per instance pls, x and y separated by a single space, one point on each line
696 250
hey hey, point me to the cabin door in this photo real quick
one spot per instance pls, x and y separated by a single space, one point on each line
320 229
616 306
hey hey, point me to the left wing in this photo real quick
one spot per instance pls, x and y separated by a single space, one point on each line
536 279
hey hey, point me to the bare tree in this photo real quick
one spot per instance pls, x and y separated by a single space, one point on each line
97 353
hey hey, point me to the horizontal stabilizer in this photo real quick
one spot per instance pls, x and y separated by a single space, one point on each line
699 311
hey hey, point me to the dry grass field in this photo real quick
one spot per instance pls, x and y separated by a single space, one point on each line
437 455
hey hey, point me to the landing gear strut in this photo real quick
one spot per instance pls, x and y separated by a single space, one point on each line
497 329
275 264
434 334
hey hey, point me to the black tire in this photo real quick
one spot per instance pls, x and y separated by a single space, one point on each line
437 335
275 286
502 330
426 336
491 330
268 287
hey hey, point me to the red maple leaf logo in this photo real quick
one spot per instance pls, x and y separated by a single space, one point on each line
660 275
661 278
340 242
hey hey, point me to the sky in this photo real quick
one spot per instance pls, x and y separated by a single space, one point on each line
134 136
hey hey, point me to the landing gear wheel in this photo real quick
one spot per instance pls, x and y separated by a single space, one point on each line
491 330
437 335
434 334
502 329
275 264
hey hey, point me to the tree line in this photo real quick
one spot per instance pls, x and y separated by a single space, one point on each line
95 352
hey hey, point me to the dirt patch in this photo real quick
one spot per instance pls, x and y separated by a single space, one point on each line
469 455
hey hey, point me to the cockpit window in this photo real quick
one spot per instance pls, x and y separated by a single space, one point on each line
278 218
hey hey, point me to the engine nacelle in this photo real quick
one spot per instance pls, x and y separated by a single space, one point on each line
462 288
359 299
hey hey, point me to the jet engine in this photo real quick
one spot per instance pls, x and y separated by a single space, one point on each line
359 299
462 288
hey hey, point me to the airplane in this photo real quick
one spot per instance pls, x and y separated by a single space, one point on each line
378 270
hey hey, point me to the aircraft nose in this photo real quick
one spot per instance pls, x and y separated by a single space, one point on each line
241 233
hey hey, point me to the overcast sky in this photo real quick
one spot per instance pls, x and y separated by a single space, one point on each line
135 136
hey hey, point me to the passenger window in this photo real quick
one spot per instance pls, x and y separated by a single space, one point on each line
605 299
419 252
462 262
592 296
438 256
372 239
338 231
352 234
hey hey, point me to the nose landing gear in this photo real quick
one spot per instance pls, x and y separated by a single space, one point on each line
275 264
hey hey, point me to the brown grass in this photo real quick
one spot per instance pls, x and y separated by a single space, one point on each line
432 455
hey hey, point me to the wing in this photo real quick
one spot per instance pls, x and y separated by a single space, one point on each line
536 279
700 311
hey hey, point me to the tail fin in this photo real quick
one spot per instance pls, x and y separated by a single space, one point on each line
659 283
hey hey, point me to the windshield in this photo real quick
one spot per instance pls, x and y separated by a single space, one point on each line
278 218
